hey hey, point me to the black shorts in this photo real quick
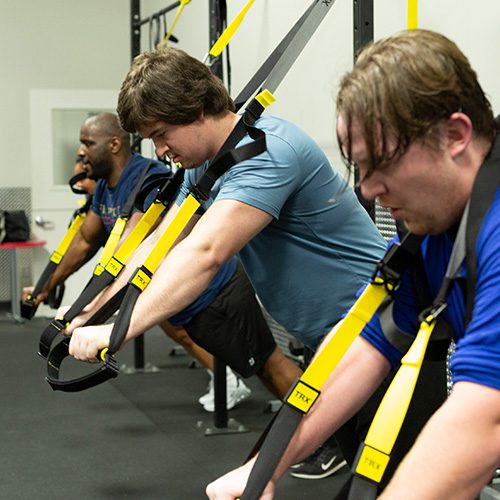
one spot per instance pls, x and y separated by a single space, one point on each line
233 328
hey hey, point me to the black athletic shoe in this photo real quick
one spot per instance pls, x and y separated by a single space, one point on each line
324 462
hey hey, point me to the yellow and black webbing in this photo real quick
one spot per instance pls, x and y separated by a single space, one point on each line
115 264
306 390
28 306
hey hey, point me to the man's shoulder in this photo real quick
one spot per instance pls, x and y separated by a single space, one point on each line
278 126
138 163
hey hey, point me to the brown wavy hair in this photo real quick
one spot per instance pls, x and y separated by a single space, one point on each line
404 87
169 85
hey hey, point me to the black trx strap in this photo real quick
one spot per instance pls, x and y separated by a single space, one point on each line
100 280
155 182
275 68
129 206
441 336
55 297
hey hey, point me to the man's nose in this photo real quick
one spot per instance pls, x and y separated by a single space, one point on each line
371 187
161 150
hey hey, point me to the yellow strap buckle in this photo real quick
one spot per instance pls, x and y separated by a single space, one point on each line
141 279
114 266
302 396
372 463
265 98
228 33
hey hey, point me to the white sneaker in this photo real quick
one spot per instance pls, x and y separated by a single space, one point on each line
209 396
237 391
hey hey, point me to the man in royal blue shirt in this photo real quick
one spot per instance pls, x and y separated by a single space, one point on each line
106 156
414 120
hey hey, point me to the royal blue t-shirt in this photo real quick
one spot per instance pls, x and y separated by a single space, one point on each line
477 355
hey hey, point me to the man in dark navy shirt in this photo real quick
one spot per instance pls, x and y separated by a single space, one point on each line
107 158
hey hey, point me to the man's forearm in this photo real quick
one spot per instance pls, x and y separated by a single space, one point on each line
356 377
181 277
457 451
74 258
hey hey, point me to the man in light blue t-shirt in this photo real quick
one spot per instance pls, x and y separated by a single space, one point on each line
305 241
227 304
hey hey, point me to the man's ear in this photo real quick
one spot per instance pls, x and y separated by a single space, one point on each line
458 133
116 144
201 117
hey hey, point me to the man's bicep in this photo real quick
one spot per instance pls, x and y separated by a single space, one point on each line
484 402
92 230
228 225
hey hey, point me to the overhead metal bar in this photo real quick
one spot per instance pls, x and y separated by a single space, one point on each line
159 13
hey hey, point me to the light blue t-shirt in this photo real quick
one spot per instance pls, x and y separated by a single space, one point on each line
308 263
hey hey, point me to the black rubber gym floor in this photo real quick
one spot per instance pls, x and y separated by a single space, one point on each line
140 436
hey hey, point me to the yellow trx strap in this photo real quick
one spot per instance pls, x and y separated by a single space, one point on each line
177 16
166 240
111 244
228 33
61 249
391 413
308 387
412 14
115 264
374 454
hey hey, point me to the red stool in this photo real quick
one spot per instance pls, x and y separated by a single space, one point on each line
15 297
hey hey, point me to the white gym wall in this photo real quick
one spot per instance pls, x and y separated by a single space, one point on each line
83 48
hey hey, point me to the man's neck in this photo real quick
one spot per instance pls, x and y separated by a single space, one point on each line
118 168
222 128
